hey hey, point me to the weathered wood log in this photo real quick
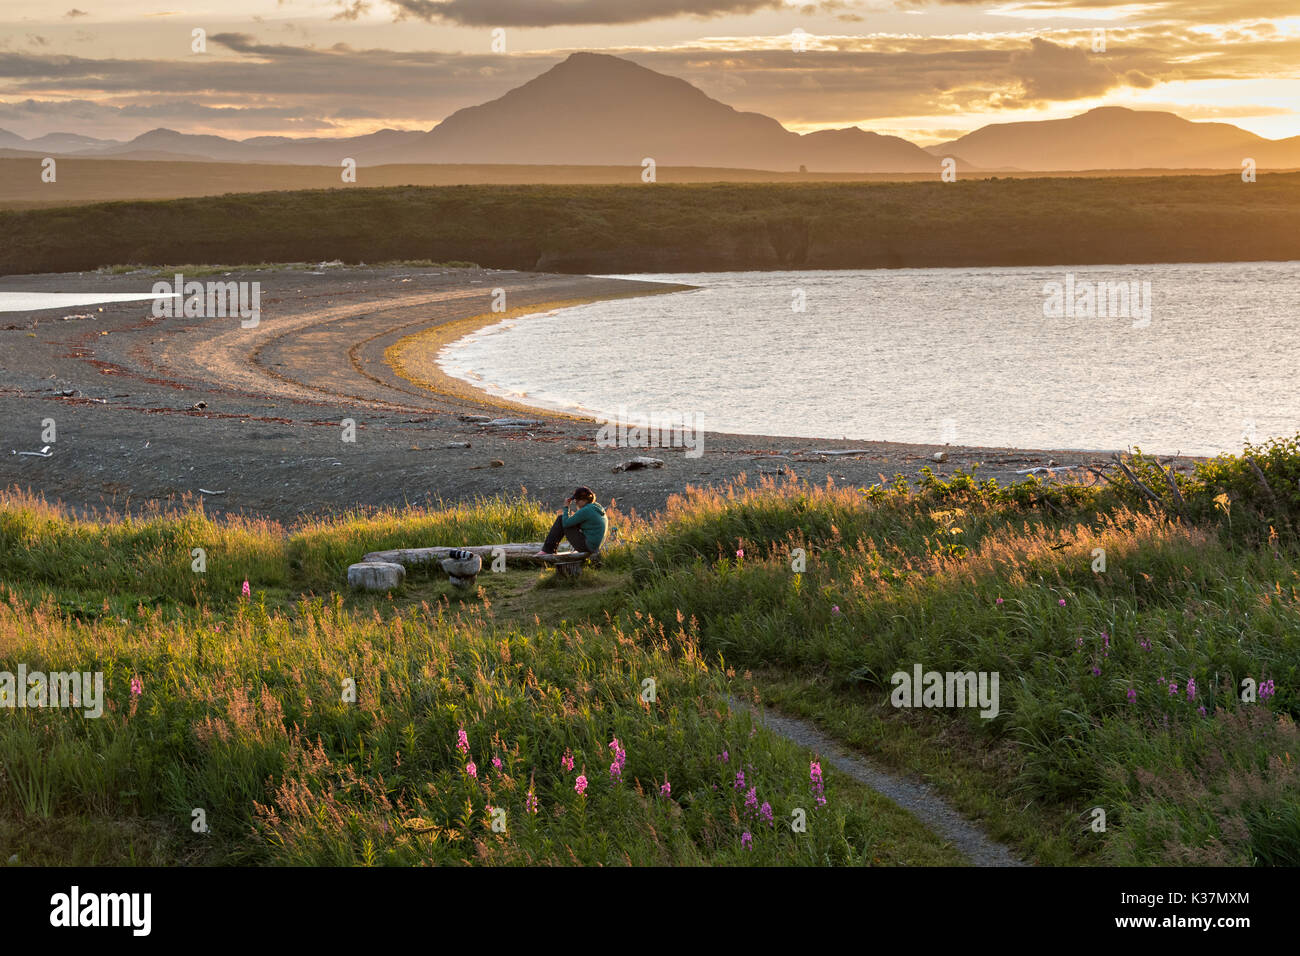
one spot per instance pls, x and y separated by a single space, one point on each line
569 564
566 557
639 462
1173 486
416 556
1268 490
376 575
515 553
463 568
1137 484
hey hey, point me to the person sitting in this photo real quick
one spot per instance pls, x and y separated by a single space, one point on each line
585 528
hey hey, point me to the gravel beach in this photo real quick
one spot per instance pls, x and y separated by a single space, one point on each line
154 410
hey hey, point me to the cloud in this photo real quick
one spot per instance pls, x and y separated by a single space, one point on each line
351 11
1047 71
245 43
876 80
1149 11
549 13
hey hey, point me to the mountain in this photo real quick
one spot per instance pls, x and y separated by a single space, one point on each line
259 149
53 143
69 143
596 109
1113 137
593 109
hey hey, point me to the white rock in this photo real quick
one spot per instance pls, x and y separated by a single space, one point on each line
376 575
940 456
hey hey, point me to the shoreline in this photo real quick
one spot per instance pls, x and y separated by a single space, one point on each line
415 356
150 411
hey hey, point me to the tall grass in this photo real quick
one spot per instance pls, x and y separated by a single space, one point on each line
1147 654
254 724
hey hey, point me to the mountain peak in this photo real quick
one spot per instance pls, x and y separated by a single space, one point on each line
599 109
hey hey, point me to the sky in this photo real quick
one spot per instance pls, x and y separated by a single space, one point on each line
927 71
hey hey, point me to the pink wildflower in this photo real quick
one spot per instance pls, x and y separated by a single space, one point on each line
566 762
667 789
462 741
471 769
818 787
747 840
246 591
137 686
580 784
620 758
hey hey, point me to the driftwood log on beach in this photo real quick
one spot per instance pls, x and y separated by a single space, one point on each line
515 553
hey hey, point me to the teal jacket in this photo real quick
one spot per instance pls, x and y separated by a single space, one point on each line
590 520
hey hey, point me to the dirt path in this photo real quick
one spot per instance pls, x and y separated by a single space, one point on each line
916 798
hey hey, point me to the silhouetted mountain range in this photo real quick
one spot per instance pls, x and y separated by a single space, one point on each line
595 109
1112 137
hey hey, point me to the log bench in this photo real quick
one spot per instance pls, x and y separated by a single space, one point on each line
567 563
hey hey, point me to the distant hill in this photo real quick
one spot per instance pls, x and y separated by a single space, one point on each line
258 149
589 110
598 109
1113 137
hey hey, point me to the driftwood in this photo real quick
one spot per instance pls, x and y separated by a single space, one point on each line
1173 486
410 556
1263 482
376 575
639 462
1268 490
1137 484
570 563
516 553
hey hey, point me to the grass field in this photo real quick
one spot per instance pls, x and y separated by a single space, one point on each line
1160 688
685 227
